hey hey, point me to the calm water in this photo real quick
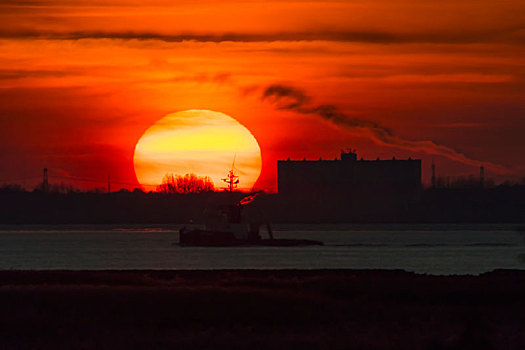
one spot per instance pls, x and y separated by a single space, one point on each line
441 249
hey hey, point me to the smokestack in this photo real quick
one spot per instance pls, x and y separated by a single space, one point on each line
433 174
482 176
45 182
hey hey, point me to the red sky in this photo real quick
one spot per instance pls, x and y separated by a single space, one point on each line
81 81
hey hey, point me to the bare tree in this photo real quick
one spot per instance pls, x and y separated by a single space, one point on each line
189 183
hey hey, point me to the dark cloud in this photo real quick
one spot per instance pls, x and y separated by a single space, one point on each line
8 74
217 78
366 37
76 3
286 97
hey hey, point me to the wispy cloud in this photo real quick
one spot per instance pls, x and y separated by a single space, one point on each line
218 78
8 74
505 36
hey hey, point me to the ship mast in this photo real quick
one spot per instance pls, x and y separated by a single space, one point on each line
231 179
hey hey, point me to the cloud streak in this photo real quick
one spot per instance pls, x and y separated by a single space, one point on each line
505 36
285 97
9 74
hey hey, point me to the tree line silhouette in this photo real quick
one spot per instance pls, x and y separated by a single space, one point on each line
189 183
192 183
180 199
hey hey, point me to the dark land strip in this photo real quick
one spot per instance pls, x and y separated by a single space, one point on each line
279 309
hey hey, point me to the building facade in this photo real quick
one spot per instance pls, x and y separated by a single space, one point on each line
349 175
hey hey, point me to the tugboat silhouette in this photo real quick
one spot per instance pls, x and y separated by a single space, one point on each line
225 226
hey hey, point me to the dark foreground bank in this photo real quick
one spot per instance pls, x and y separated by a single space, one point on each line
260 310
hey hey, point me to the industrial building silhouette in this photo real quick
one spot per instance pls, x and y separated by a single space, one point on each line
348 175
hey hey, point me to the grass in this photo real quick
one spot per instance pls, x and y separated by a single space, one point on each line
260 309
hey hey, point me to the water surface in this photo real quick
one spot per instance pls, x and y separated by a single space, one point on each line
432 249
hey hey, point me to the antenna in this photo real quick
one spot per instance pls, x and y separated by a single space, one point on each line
433 173
482 176
25 174
45 182
233 163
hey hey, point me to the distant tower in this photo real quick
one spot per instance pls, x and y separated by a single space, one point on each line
482 176
109 183
45 182
433 174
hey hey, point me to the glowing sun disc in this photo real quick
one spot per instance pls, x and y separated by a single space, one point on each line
201 142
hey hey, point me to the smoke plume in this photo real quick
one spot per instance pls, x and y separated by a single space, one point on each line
290 98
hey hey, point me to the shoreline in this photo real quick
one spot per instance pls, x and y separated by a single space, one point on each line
172 227
278 277
164 274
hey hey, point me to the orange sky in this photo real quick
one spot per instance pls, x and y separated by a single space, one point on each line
81 81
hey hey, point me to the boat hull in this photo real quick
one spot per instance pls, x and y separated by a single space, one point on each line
205 238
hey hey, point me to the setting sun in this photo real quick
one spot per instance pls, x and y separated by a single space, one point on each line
202 142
